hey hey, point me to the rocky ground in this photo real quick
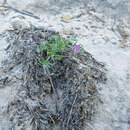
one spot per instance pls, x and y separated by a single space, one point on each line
107 39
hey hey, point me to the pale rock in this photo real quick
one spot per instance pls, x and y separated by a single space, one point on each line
66 19
67 32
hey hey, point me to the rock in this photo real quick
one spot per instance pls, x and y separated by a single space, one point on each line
67 32
124 44
66 19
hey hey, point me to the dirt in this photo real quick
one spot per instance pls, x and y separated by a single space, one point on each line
101 37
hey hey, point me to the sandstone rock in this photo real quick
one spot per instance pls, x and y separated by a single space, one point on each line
66 19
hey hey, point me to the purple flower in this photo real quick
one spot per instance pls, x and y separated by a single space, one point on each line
76 49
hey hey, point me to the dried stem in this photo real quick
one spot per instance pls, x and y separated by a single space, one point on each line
54 90
69 117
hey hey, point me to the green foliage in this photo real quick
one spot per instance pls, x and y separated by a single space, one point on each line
45 63
81 50
54 50
74 40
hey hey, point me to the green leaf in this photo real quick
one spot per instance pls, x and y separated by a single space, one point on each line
42 47
67 42
51 53
52 39
81 51
58 57
54 50
45 63
74 40
50 45
59 40
48 64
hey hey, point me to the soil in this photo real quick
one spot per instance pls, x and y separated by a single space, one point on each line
104 37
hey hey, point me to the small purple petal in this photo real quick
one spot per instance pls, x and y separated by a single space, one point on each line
76 49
